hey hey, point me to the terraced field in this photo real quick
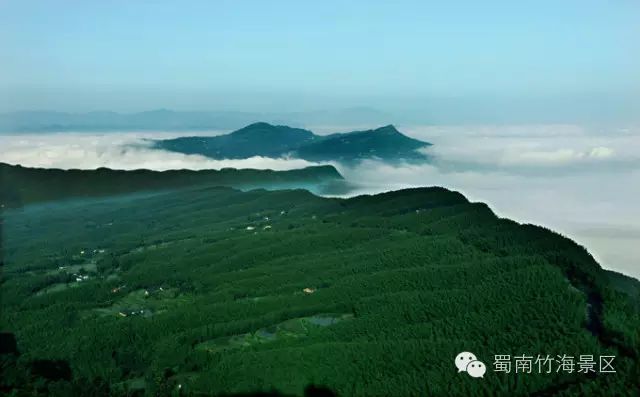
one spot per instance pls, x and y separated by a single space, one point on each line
210 291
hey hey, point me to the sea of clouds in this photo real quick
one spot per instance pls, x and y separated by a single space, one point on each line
119 150
583 182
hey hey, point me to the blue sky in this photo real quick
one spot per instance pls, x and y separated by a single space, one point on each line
294 55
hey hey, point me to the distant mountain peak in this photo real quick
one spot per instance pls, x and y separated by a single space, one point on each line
259 124
267 140
387 129
274 130
255 127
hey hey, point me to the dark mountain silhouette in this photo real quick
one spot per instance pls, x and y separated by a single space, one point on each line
20 185
263 139
386 143
259 139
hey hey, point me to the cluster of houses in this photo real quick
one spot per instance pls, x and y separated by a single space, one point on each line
265 227
148 292
130 312
80 277
95 251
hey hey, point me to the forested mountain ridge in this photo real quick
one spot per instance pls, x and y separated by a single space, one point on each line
263 139
386 143
22 185
258 139
211 291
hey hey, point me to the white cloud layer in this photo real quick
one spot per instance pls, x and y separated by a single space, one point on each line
582 182
513 150
124 151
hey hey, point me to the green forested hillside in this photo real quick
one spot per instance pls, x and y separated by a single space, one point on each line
212 291
21 185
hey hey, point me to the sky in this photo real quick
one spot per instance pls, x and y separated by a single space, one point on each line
566 58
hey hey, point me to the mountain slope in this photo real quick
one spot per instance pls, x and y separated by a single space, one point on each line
20 185
263 139
385 143
216 291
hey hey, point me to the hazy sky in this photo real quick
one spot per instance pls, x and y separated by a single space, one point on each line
298 55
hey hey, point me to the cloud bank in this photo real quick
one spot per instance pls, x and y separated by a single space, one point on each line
125 151
513 150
